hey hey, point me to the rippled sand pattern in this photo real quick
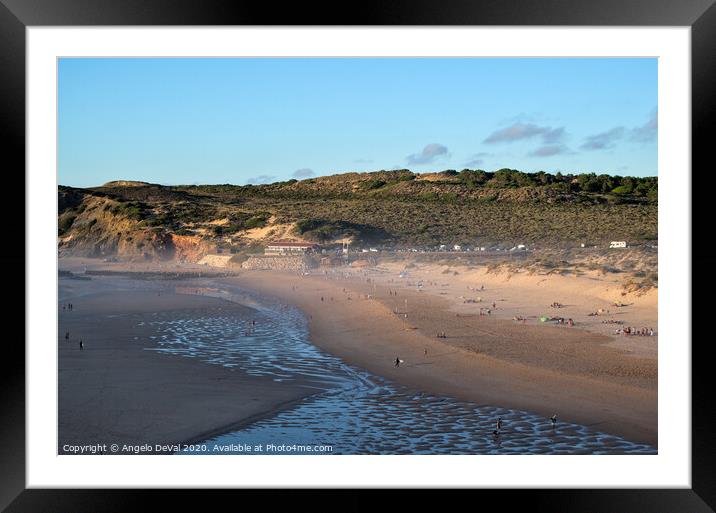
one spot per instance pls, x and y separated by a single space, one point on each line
270 343
352 411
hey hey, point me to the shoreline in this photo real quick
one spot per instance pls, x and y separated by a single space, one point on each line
117 391
340 328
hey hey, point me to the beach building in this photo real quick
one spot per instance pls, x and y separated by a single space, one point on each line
290 247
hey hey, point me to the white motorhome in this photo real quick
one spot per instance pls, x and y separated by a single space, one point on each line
617 244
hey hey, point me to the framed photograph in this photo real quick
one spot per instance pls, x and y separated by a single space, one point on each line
420 249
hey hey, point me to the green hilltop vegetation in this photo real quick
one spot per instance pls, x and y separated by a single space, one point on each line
394 208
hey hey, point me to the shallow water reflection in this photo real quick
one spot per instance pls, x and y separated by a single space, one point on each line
352 411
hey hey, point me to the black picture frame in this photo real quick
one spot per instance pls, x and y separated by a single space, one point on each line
700 15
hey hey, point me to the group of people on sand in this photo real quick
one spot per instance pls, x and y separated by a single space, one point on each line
630 331
67 339
441 334
498 424
485 311
556 304
70 307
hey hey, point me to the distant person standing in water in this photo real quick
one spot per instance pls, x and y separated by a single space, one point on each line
67 335
82 346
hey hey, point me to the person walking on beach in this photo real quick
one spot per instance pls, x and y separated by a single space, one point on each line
82 346
397 361
67 335
425 352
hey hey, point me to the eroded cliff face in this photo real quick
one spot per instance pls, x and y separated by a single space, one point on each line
189 248
99 227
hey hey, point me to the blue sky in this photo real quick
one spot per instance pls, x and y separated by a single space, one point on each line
187 121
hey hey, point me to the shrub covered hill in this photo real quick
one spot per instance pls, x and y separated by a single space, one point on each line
391 208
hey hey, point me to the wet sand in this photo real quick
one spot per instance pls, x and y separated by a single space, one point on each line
537 368
117 391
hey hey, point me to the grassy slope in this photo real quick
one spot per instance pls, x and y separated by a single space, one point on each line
395 208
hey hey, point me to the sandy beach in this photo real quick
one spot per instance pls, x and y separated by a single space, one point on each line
117 390
585 374
582 373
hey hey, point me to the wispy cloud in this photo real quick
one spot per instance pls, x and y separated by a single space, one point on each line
303 173
261 179
549 150
429 154
476 160
553 136
648 131
604 140
519 131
